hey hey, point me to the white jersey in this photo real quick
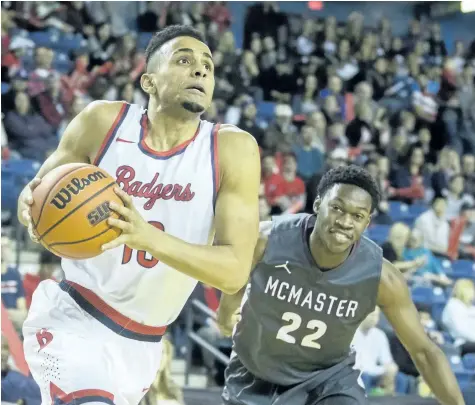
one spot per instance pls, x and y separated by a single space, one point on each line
176 191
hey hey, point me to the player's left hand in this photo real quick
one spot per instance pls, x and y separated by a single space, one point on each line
135 230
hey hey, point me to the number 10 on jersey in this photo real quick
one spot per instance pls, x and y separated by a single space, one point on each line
141 254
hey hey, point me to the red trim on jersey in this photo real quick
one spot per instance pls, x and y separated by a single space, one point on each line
168 153
58 393
112 131
114 315
215 157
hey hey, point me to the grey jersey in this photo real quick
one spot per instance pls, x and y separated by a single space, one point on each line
296 318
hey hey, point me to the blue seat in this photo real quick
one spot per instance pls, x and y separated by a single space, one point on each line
463 269
16 173
422 295
69 42
5 87
465 377
266 110
44 38
378 233
469 361
417 209
398 210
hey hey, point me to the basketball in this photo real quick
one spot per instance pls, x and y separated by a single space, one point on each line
70 210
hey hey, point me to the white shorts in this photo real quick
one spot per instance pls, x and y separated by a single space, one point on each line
80 350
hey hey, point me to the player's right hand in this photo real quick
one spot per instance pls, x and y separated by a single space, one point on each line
25 203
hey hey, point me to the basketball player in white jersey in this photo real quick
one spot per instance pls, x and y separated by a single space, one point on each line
95 337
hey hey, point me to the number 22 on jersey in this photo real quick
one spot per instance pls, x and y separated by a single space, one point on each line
141 254
309 340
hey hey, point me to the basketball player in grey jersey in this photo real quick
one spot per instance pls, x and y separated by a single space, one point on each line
315 279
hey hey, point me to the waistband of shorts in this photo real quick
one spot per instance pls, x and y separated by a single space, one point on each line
109 317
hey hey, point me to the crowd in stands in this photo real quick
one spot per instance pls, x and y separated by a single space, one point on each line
316 94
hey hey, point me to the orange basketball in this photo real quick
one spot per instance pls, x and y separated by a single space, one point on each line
70 210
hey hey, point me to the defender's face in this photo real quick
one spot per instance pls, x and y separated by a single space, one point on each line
184 74
342 216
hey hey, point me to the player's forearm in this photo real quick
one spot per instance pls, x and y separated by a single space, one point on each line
216 266
230 303
436 371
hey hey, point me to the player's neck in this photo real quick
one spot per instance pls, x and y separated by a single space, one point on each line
166 131
322 256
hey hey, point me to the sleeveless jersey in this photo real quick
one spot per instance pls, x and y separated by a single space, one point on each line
175 191
296 318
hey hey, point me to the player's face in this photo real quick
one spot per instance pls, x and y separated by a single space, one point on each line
342 216
183 74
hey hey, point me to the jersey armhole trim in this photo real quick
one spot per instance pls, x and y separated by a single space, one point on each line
106 143
215 162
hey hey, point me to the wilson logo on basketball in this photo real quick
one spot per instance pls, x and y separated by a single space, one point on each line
75 186
152 191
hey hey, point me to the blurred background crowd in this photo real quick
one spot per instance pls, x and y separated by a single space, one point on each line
316 92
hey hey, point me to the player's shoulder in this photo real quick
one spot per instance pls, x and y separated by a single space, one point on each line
232 137
104 109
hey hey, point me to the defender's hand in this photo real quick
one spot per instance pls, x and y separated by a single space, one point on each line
226 323
25 203
135 230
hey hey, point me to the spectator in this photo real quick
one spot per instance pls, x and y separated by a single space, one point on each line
101 46
373 355
28 132
393 249
458 316
44 61
248 122
468 171
318 121
292 195
434 227
309 158
128 63
271 178
16 387
164 391
281 134
19 84
12 61
410 182
448 164
13 295
456 197
48 264
127 92
378 78
77 106
264 209
462 234
359 131
148 21
431 271
51 103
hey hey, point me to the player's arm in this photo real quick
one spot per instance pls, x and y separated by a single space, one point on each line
229 305
79 143
227 264
396 303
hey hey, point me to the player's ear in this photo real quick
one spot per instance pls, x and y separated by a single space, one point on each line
316 205
147 83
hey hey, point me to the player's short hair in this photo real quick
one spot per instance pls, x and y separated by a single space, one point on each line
169 33
354 175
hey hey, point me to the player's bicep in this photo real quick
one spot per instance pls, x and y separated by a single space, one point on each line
395 301
237 212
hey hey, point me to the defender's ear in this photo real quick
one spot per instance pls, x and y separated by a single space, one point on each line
316 205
